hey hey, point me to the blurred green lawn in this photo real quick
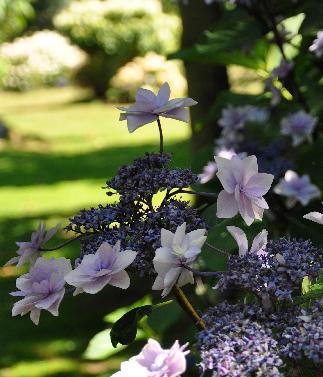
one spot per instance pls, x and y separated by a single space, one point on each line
62 151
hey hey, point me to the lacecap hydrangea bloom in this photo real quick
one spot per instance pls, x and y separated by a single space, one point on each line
243 187
106 266
154 361
42 288
297 188
149 107
29 251
176 249
299 126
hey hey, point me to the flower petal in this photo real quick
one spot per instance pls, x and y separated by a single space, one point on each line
225 174
120 280
227 207
317 217
137 121
163 95
259 243
241 239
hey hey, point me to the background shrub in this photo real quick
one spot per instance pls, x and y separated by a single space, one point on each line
149 71
113 32
43 58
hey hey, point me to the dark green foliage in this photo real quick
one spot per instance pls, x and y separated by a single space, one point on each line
124 331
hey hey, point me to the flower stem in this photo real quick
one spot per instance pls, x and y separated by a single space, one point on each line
188 308
203 273
161 137
62 244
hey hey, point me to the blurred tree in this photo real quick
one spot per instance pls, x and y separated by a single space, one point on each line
205 81
45 11
14 16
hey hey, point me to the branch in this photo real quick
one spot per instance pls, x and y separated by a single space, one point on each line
188 308
203 273
62 244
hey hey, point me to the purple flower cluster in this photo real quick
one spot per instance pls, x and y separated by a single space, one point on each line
244 340
148 175
236 344
135 221
305 338
277 273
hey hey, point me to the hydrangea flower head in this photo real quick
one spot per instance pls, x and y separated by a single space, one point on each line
154 361
106 266
297 188
149 107
29 251
258 245
317 45
176 249
42 288
299 126
243 187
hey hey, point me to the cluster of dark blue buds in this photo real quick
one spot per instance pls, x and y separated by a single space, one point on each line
245 340
236 344
276 274
134 220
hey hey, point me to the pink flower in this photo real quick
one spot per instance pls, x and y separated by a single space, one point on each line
106 266
243 187
29 251
154 361
258 245
149 107
176 249
42 288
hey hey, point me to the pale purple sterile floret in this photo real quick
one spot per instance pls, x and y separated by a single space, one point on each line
299 126
42 288
154 361
106 266
259 243
29 251
208 172
177 249
297 188
233 118
149 107
243 187
317 45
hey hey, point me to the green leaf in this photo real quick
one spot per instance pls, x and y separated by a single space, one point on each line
125 329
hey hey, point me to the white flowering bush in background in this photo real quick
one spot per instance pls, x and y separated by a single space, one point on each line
113 32
149 71
45 58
